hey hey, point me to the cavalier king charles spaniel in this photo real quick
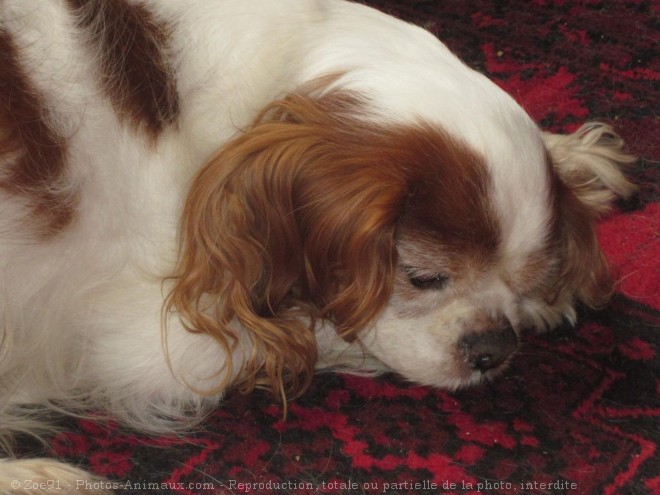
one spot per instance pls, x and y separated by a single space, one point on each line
198 195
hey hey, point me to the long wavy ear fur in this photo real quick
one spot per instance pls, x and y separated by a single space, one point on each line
588 165
589 161
585 274
291 221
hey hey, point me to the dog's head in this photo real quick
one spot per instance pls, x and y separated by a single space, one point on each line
429 244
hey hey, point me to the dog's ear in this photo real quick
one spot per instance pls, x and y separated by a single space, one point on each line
588 166
291 221
585 274
589 162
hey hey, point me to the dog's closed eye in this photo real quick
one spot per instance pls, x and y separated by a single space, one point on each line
426 281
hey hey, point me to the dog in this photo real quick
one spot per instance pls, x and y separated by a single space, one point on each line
197 196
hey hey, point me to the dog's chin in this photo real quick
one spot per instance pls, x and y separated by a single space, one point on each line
458 377
469 378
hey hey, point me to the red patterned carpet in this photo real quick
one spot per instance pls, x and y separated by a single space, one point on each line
577 413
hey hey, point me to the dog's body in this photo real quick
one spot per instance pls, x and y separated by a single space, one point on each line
199 194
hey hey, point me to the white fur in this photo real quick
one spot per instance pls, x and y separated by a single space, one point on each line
81 312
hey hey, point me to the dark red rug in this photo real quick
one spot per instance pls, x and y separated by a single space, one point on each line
577 413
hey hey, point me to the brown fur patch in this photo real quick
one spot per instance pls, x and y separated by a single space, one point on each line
583 273
298 217
132 46
448 199
32 154
449 227
585 269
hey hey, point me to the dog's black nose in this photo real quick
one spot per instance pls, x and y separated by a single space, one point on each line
487 350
